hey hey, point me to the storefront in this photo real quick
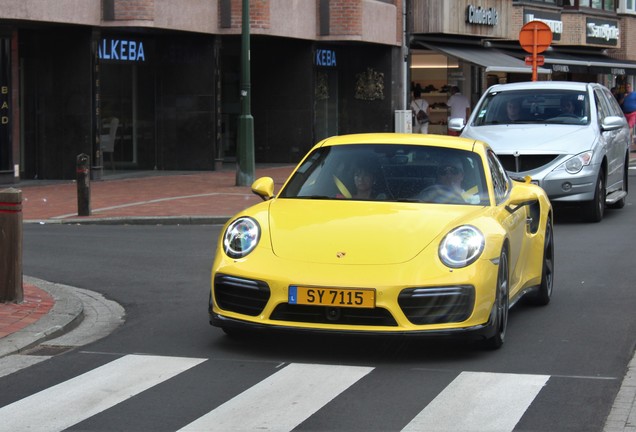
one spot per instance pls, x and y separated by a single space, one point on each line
454 48
6 107
162 91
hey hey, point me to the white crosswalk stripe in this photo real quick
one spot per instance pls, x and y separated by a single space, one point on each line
472 402
282 401
77 399
480 401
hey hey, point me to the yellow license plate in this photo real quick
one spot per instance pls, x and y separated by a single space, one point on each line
339 297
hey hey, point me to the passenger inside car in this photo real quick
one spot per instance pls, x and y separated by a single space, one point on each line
569 107
513 111
448 189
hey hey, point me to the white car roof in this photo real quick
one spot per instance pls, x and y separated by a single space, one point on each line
564 85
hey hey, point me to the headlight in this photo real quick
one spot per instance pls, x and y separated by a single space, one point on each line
241 237
461 247
576 163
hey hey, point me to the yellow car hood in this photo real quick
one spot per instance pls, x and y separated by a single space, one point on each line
356 232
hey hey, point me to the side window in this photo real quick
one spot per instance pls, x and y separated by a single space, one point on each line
614 107
601 106
500 180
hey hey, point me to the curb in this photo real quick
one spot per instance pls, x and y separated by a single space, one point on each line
135 220
66 314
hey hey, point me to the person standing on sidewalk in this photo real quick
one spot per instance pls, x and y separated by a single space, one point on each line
459 107
418 104
629 108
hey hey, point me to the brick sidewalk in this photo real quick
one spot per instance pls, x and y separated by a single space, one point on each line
16 316
197 194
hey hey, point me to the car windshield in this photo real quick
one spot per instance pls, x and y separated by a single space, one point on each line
388 172
536 106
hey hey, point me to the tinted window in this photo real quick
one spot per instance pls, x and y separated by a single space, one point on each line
500 180
555 106
380 172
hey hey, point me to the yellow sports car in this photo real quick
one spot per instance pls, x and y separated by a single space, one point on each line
386 234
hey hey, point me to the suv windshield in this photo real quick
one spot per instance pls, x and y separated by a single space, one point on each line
545 106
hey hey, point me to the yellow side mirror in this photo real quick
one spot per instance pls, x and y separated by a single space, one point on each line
264 188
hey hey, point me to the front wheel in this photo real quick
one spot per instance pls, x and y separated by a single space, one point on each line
502 303
544 294
596 208
621 202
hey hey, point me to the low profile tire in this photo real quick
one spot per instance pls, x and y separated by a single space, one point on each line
596 208
544 294
502 303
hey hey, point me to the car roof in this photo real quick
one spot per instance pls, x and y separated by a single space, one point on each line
528 85
400 138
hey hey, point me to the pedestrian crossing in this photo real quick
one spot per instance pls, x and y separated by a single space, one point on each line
287 396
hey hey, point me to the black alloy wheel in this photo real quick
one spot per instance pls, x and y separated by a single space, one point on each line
596 208
502 303
544 294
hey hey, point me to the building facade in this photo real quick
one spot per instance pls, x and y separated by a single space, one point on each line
164 78
155 84
473 44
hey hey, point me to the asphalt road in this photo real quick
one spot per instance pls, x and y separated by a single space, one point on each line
573 353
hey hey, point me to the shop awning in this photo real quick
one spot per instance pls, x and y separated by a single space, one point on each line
595 64
490 59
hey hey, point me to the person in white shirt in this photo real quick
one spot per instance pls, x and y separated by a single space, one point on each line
459 106
419 104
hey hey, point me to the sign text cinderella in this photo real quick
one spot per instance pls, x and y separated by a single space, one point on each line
122 50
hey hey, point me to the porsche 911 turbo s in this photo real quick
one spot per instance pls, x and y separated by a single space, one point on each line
386 234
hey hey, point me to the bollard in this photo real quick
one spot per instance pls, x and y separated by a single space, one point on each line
83 185
11 246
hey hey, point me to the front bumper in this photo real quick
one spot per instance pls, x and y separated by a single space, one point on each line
562 186
483 331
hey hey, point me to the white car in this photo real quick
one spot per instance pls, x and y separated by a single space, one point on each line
571 138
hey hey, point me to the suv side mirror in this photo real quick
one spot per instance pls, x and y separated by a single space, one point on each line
456 124
612 123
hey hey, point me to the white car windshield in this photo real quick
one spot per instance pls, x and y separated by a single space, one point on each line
544 106
387 172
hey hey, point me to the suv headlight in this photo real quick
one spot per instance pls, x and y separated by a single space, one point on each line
576 163
241 237
461 247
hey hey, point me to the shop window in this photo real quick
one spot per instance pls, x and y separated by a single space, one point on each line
607 5
627 6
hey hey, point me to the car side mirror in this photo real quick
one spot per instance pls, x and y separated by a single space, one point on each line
456 124
610 123
521 196
264 188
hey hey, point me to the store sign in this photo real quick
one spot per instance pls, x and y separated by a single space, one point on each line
482 16
326 58
4 105
121 50
602 32
552 19
560 68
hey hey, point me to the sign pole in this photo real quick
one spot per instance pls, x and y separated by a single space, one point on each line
535 37
245 148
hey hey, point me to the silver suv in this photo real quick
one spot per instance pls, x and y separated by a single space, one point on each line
571 138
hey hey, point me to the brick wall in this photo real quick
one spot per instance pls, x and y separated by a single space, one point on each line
345 17
131 10
259 14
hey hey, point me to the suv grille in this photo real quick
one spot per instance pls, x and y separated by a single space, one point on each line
437 305
526 162
240 295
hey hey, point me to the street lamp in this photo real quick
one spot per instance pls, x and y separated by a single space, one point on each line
245 148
